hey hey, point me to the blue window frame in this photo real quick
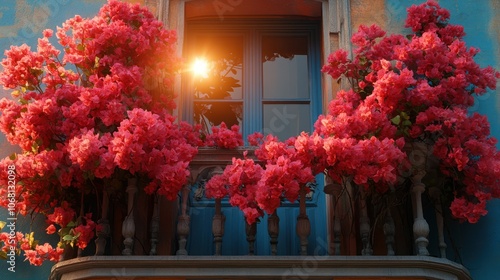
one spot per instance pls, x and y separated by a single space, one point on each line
265 77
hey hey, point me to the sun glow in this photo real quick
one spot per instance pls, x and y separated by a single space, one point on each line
200 68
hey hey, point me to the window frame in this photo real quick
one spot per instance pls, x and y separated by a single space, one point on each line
253 30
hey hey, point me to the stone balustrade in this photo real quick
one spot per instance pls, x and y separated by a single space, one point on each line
393 265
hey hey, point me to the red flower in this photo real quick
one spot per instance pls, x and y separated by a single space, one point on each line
50 229
62 215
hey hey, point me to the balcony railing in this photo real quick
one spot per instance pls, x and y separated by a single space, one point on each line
146 248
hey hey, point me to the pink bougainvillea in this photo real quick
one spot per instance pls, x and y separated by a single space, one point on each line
416 88
223 137
93 110
404 89
239 181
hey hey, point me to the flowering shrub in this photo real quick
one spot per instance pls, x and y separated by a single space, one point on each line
91 115
404 90
417 88
258 185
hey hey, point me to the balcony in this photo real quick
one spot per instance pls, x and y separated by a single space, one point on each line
152 243
257 267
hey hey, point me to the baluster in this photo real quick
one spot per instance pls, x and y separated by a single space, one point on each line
336 231
418 157
103 228
183 222
218 227
420 225
251 231
155 226
436 194
273 229
364 226
336 191
303 227
128 227
79 252
389 230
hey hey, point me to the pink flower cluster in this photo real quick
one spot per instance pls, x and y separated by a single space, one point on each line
34 253
62 215
467 155
240 181
147 144
282 169
84 232
413 88
259 184
225 138
43 252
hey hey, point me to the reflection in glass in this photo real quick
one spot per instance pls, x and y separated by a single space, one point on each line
285 120
221 84
213 113
285 88
284 69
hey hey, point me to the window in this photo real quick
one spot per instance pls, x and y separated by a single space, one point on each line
262 76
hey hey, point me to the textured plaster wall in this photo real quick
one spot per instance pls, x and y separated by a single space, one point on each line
367 12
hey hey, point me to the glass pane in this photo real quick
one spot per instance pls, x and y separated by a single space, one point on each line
210 114
285 71
223 56
216 88
286 120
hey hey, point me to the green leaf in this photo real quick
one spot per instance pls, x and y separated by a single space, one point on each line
15 94
2 224
3 255
407 123
31 239
23 101
71 224
68 237
13 156
396 120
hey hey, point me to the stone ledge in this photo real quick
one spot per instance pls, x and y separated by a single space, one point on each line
258 267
